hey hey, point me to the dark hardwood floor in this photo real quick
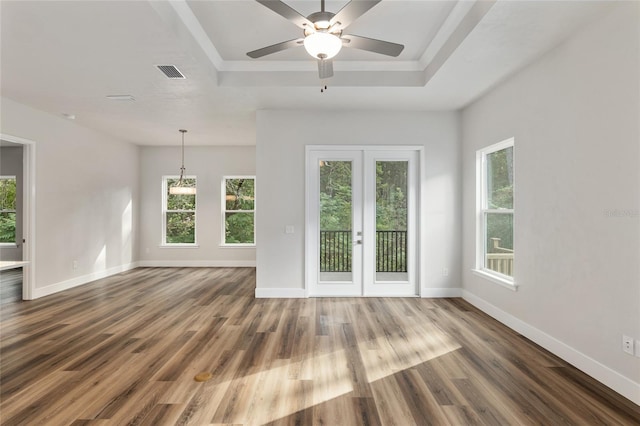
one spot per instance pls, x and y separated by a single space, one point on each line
125 350
10 285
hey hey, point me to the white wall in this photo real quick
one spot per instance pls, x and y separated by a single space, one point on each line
11 165
209 164
86 198
281 140
575 118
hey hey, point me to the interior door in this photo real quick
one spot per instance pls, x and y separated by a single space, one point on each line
362 222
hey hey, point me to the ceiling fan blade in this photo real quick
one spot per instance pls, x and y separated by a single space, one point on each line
286 12
372 45
325 68
352 11
259 53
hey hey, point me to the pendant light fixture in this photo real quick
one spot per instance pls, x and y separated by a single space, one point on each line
180 188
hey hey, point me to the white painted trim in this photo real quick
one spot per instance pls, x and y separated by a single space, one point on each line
193 26
364 148
10 264
616 381
281 293
78 281
306 66
504 282
451 35
422 224
197 263
29 219
440 292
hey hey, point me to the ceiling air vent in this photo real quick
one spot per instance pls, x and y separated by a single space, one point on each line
171 71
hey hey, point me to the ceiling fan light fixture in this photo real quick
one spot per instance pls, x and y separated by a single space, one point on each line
322 25
322 45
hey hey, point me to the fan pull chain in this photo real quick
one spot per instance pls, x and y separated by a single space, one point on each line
322 89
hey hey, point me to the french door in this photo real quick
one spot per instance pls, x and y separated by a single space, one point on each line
362 221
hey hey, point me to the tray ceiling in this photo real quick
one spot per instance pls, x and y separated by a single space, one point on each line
66 57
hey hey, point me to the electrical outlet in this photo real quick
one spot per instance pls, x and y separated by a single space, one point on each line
445 272
627 344
74 264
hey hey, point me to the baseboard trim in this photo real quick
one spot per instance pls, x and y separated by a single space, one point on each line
78 281
605 375
280 293
441 292
197 263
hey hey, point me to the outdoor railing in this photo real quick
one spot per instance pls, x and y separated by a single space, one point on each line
336 251
499 259
500 262
391 251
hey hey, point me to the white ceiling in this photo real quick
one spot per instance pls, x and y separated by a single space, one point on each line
65 57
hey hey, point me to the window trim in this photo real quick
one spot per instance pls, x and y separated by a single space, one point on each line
164 243
482 210
14 244
224 211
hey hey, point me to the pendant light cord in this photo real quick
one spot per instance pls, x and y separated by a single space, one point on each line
182 169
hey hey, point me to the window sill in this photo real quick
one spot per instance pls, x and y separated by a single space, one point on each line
8 245
506 283
226 246
181 246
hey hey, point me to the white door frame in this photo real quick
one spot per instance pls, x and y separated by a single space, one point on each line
310 226
28 212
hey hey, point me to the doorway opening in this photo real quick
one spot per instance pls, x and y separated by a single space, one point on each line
18 251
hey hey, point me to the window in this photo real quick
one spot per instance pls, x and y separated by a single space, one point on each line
7 210
178 214
495 249
238 205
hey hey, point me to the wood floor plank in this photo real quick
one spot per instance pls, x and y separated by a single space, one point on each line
125 350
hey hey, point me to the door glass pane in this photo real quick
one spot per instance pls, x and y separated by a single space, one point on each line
335 221
391 220
499 248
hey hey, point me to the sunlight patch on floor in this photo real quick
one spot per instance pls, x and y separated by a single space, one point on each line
388 359
327 376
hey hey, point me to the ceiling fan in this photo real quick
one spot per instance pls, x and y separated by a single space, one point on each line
323 33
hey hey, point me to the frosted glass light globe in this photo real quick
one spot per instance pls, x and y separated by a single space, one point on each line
322 45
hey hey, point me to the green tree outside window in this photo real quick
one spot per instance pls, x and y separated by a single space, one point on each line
180 214
239 210
7 209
